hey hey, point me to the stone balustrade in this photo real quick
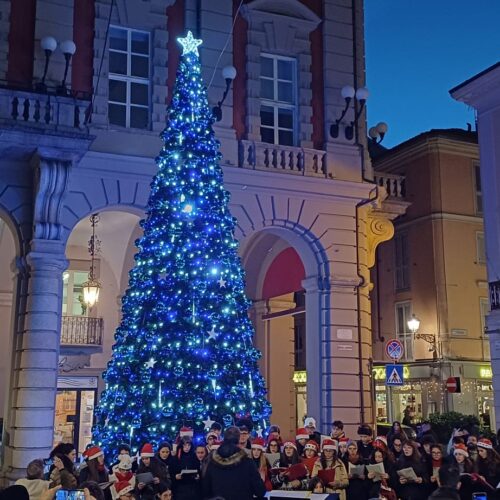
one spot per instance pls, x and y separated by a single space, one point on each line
394 184
276 157
42 110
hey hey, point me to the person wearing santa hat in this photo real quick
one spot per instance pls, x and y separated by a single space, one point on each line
258 447
122 472
301 438
149 463
488 466
461 460
123 490
310 454
95 470
288 457
342 452
328 461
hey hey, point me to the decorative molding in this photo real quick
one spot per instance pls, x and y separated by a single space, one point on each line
378 230
72 363
51 181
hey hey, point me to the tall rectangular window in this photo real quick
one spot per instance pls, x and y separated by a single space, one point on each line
480 248
478 193
403 333
401 262
129 63
484 305
278 101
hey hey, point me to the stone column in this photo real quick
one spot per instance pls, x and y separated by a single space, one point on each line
33 381
34 376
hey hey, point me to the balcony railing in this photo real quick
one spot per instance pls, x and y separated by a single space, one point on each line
44 110
275 157
81 331
394 184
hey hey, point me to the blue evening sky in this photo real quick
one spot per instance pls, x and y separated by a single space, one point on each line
416 51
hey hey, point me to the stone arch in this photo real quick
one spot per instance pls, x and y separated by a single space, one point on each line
317 284
307 245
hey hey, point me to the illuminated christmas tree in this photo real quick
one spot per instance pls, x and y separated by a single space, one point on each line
184 353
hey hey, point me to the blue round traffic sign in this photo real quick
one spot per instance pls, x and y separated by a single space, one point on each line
394 349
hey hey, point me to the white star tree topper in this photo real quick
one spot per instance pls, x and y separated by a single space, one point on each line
189 44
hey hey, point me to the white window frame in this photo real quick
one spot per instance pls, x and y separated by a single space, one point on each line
132 79
478 193
406 337
277 105
480 242
401 268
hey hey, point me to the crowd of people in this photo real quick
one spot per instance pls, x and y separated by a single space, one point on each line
238 465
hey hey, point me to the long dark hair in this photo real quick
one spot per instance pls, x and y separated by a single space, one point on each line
322 460
93 465
294 459
62 449
491 462
415 456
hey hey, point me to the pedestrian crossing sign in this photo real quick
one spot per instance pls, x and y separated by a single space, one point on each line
394 375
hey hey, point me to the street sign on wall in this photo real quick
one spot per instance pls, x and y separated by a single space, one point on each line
394 349
394 375
453 385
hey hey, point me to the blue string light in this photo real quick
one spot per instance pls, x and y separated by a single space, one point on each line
183 352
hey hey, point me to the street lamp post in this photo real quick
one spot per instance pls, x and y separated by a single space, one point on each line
413 326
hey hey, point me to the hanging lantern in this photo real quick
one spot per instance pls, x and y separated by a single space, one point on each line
91 290
92 287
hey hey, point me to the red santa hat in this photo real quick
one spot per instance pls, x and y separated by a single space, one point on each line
311 445
186 431
485 443
329 444
289 443
344 440
302 433
259 444
380 442
122 488
147 451
461 449
93 452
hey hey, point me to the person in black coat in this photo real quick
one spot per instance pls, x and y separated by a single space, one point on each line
412 490
231 473
165 456
365 444
187 486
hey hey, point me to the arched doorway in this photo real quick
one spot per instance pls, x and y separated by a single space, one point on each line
275 273
87 333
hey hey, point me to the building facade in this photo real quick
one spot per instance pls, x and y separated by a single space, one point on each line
309 214
482 93
434 268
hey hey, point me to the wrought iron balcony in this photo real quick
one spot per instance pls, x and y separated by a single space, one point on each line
279 158
81 331
394 184
47 110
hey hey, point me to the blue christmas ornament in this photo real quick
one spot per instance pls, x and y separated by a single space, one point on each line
187 281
